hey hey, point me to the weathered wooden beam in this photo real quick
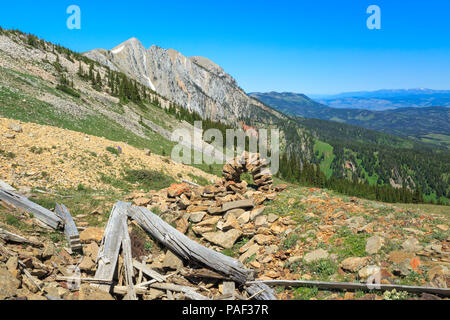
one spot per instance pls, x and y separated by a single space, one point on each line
128 261
110 245
5 186
190 182
70 229
187 248
44 215
353 286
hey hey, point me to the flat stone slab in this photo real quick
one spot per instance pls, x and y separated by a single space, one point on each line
241 204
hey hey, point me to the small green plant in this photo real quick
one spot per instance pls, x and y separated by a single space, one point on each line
395 295
322 268
35 150
305 293
81 187
148 246
113 150
149 180
12 221
68 90
10 155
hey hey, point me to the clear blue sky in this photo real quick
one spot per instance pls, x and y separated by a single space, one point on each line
301 46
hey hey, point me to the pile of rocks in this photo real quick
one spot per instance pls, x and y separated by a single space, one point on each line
221 213
252 163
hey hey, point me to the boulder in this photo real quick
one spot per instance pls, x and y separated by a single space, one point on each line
244 218
231 223
374 244
197 217
272 218
242 204
400 256
8 284
15 127
91 250
368 271
253 249
256 213
88 292
87 264
412 245
91 234
172 261
261 221
142 202
353 264
49 250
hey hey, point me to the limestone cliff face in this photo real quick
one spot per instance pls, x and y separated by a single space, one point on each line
195 83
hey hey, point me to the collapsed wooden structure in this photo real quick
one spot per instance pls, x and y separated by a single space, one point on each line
116 237
115 253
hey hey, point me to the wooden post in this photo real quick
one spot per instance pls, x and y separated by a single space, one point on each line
70 229
110 246
128 261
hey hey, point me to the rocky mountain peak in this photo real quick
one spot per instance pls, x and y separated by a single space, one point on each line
195 83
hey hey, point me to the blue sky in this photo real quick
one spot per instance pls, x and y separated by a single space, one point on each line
305 46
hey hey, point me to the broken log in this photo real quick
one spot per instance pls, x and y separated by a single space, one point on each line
128 261
70 229
148 272
44 215
353 286
110 245
188 249
189 292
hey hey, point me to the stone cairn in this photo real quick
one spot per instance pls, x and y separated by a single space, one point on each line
252 163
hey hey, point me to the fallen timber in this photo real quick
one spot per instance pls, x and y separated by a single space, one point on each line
353 286
70 229
110 245
44 215
190 250
12 237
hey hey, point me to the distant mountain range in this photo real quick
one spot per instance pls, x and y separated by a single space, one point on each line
386 99
427 124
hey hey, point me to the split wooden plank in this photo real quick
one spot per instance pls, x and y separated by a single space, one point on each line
148 272
354 286
128 261
12 237
5 186
188 249
203 273
70 229
44 215
193 251
190 183
260 291
110 245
